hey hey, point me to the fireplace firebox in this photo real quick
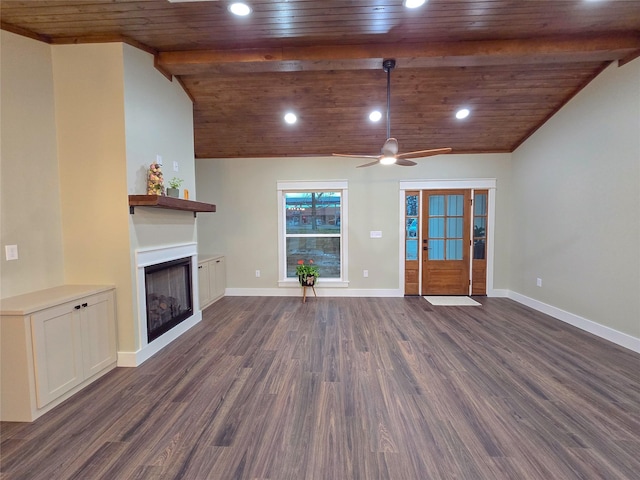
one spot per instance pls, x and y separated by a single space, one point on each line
169 295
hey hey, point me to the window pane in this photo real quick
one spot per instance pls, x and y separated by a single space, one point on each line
436 250
436 228
325 253
313 212
480 204
454 249
478 249
436 205
479 227
412 250
412 227
454 227
455 205
412 205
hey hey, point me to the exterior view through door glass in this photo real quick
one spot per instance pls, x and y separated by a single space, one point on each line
445 242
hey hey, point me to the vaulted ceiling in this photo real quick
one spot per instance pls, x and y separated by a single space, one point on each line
513 63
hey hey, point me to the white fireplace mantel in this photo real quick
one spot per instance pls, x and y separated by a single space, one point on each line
152 256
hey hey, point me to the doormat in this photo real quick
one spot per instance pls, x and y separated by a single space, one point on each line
449 301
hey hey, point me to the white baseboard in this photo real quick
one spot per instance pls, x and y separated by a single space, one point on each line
321 292
498 292
134 359
602 331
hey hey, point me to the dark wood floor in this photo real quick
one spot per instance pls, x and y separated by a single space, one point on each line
358 388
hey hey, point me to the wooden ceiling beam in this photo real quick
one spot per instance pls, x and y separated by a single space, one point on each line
370 56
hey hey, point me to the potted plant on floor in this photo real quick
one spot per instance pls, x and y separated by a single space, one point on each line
307 273
174 187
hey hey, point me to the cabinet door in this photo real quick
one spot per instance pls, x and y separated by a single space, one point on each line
98 326
57 352
204 284
220 275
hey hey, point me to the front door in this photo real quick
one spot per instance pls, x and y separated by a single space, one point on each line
445 242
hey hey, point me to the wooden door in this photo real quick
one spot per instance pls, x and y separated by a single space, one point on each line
446 242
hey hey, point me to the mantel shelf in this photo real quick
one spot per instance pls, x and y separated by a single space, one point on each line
170 203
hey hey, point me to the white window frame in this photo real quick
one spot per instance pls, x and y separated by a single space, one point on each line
313 186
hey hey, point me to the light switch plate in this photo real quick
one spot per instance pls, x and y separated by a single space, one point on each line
11 252
375 234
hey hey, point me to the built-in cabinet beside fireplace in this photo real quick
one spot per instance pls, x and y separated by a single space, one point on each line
54 343
212 279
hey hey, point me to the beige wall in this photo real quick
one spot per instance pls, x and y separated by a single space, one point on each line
80 123
245 225
29 192
576 205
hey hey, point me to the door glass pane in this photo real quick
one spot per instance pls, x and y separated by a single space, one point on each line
436 250
479 226
480 204
313 212
412 250
412 206
454 227
324 251
455 205
454 249
436 205
412 228
436 228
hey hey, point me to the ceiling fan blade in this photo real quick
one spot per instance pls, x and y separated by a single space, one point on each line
355 156
405 163
425 153
369 164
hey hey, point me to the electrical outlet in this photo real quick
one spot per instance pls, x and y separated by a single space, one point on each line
539 282
365 273
257 273
175 166
11 252
159 159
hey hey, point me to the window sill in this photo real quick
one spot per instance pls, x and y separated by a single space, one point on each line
324 283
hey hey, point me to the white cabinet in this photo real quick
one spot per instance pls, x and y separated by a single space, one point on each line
54 342
212 279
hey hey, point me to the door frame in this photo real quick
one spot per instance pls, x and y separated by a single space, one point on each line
488 184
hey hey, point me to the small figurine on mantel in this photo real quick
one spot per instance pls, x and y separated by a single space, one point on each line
155 182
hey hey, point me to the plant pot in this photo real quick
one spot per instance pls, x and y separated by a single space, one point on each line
307 280
173 192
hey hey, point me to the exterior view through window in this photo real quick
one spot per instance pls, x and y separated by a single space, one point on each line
313 231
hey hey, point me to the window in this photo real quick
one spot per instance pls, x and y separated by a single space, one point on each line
311 228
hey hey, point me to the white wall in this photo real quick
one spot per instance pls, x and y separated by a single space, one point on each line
245 225
29 194
576 205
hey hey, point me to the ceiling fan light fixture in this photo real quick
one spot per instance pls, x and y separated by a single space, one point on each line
387 160
240 9
462 113
375 116
413 3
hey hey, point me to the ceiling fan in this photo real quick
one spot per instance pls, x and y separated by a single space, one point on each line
389 153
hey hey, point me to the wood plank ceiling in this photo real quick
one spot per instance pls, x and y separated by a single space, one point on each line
513 63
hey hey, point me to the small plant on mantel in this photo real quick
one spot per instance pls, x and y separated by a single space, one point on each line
175 182
307 273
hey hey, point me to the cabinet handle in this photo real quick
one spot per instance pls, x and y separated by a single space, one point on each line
77 307
84 305
218 261
199 267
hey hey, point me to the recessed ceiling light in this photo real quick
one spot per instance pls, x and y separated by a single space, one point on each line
375 116
240 9
290 118
462 113
413 3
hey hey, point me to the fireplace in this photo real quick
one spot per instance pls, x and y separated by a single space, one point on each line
169 295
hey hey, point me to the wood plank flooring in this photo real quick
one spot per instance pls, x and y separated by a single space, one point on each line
350 388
